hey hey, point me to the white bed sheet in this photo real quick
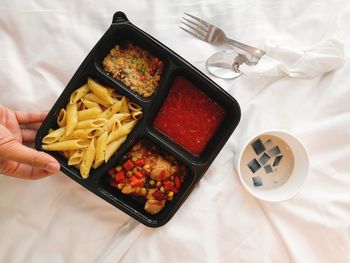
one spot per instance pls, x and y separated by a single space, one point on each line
55 219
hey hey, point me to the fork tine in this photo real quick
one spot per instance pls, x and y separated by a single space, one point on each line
204 28
198 19
196 30
193 34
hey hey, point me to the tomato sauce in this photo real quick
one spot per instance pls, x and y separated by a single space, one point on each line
189 117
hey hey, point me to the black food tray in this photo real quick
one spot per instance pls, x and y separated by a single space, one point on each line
122 29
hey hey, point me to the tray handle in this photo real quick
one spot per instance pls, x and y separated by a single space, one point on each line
119 17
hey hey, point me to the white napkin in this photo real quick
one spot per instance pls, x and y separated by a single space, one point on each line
310 62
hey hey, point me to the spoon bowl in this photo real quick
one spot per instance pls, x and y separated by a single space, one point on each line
225 64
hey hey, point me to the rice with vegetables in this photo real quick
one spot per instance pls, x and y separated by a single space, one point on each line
135 67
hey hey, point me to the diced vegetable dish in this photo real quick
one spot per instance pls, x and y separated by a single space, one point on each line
147 172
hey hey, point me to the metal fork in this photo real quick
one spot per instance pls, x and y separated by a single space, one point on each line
214 35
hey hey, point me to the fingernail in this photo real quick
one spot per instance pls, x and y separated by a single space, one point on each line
52 167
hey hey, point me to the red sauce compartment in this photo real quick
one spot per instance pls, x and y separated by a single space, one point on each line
188 116
194 116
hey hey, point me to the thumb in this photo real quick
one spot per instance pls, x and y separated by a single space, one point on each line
15 151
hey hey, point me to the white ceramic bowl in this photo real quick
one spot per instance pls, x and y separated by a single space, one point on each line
297 172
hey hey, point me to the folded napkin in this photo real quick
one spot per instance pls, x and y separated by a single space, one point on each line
310 62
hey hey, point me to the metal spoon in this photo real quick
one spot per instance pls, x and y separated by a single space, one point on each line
225 64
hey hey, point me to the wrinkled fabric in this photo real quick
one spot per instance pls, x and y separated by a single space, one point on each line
310 62
304 89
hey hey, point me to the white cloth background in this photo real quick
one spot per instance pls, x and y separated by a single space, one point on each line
43 42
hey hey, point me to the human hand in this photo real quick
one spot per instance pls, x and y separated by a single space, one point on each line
16 159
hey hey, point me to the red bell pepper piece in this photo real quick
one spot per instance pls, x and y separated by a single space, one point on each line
128 165
139 175
120 177
168 185
140 162
177 182
134 182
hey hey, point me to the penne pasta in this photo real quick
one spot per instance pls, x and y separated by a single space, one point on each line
80 106
124 106
90 104
136 115
94 98
122 131
113 147
111 122
113 126
76 157
54 136
116 95
134 107
92 123
79 93
116 100
116 126
111 92
92 113
100 91
121 116
108 113
62 118
72 117
66 145
101 145
92 127
88 159
81 134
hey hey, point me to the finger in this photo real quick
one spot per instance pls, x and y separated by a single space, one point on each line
30 117
23 171
15 151
28 135
32 126
10 124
